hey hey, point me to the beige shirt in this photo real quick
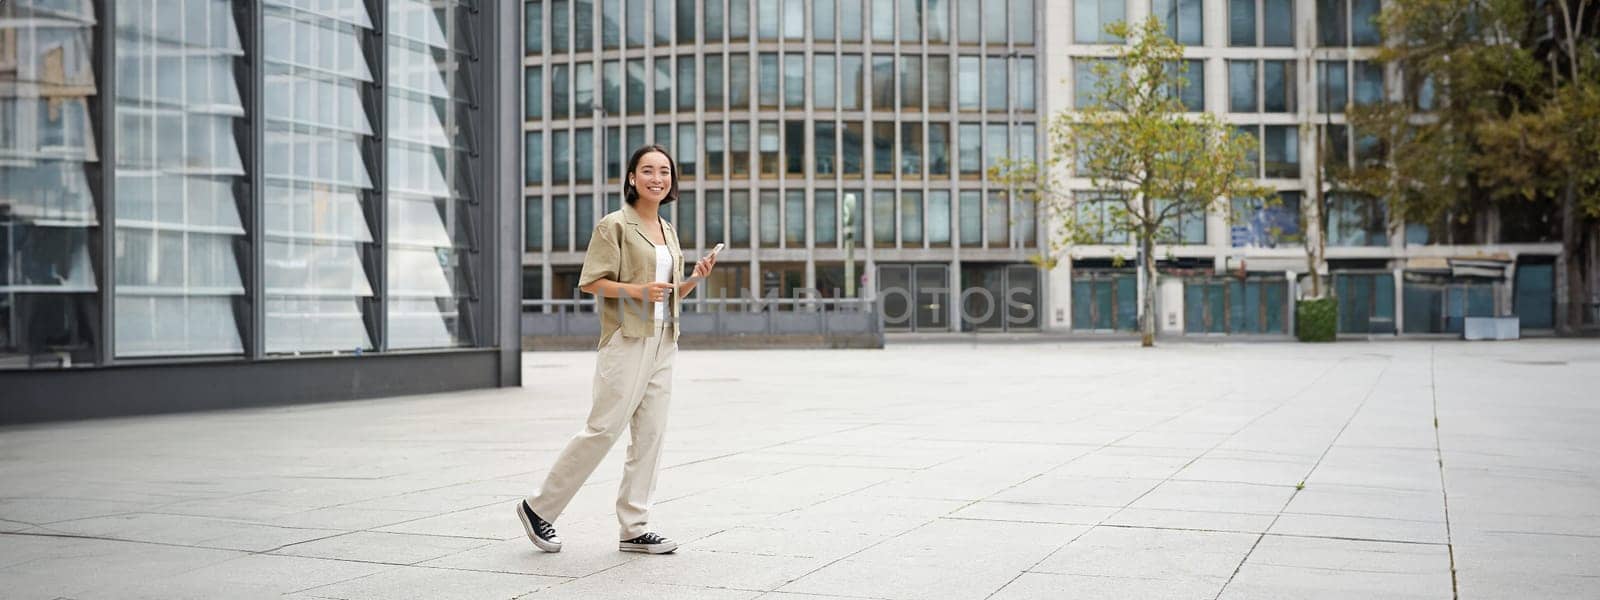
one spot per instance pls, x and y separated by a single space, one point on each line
620 251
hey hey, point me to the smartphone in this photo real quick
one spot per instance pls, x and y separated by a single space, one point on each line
715 249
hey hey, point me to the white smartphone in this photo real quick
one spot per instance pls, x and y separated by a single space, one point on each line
715 249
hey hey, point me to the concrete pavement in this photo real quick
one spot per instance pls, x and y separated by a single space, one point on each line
1004 471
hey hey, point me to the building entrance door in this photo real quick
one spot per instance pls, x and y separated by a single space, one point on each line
914 297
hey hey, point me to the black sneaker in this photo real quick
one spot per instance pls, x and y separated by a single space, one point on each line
649 543
540 532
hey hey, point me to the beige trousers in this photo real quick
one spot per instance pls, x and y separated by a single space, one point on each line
632 388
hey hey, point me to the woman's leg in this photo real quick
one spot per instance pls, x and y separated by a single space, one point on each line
644 452
622 369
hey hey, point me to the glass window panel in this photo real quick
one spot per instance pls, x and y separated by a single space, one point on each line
911 218
794 147
560 26
998 220
1026 144
1277 86
687 219
883 83
769 218
971 218
1022 22
713 82
1330 23
850 20
911 83
716 29
1027 97
938 21
822 20
911 20
883 149
739 218
1364 23
1242 86
939 83
560 79
533 32
939 149
1333 83
768 72
635 17
994 22
823 90
583 227
825 143
768 147
971 140
1192 92
1182 20
968 79
850 81
826 230
1277 23
560 157
1252 166
635 139
1282 155
883 20
968 21
1368 77
767 20
611 87
1086 85
663 85
714 220
883 219
794 80
738 20
583 144
716 151
794 19
533 93
663 136
636 86
939 218
686 21
583 25
794 219
854 145
613 152
688 151
583 90
739 149
663 22
1090 18
1241 22
1355 220
533 154
739 81
1026 227
998 145
686 87
533 226
610 26
911 150
998 84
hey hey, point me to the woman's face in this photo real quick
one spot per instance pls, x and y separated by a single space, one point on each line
652 177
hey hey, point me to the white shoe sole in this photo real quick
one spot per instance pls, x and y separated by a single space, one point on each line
527 527
648 548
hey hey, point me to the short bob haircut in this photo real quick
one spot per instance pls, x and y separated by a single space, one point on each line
630 193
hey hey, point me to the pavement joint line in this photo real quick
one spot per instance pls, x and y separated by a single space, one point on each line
1296 492
1438 452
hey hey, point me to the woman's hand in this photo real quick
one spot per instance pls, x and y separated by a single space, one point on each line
702 268
654 291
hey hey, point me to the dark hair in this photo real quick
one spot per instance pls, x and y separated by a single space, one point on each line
631 194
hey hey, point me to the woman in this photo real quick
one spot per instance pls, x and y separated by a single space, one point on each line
634 267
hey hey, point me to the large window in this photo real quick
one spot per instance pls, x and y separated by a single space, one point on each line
767 20
767 71
738 81
769 217
971 219
794 147
883 149
967 21
794 219
911 83
968 81
663 22
768 146
1091 18
998 84
883 83
825 148
851 77
938 21
883 20
794 19
663 85
853 149
794 81
1281 154
635 87
1276 90
970 154
1274 27
686 86
911 150
883 220
939 218
1356 220
994 22
823 92
850 20
822 28
713 82
1192 90
911 219
939 149
686 21
1348 23
938 83
1182 20
583 25
826 230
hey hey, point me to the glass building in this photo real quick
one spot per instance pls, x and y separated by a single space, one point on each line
787 116
287 199
796 124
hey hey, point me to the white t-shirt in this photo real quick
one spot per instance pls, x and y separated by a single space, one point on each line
663 275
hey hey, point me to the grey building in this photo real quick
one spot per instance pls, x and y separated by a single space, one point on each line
218 203
781 110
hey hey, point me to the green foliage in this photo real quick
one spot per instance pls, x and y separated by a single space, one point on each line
1316 320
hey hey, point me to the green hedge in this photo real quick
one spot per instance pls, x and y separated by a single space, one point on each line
1316 320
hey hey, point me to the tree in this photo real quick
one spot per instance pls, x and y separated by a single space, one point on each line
1514 116
1140 150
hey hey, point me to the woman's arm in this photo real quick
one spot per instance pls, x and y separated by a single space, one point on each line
608 288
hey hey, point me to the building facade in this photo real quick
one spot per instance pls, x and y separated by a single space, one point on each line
217 203
804 126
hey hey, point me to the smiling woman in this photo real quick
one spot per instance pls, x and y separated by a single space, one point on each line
634 266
